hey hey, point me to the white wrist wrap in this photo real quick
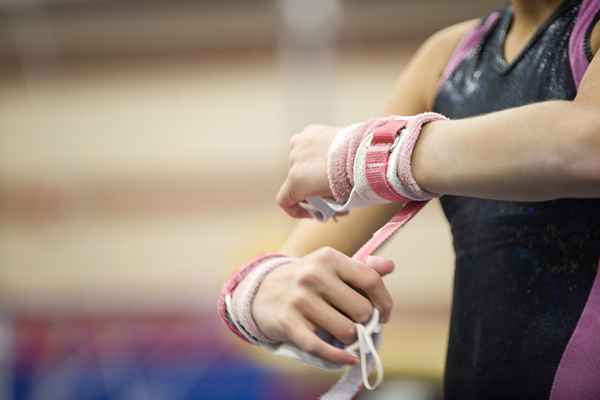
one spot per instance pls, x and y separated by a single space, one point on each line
395 183
238 307
239 303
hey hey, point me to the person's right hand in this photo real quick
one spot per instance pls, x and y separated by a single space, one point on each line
325 289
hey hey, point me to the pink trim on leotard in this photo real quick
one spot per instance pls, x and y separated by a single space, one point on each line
577 376
577 57
468 43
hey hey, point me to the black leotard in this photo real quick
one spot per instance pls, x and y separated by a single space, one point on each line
524 270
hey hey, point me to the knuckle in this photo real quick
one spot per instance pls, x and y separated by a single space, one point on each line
388 306
326 254
299 300
310 346
392 304
294 172
371 279
310 277
296 303
280 199
365 312
347 334
294 176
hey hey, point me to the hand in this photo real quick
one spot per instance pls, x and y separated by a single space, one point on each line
326 290
307 175
357 166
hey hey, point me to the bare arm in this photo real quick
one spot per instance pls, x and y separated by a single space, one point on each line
323 288
537 152
413 93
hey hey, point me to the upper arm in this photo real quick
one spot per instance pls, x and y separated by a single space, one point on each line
589 89
413 93
584 116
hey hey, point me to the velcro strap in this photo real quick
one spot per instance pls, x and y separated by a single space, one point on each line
376 163
388 230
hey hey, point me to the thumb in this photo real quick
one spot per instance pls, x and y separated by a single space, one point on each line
380 264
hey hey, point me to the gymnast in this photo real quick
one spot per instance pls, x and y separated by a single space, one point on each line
500 118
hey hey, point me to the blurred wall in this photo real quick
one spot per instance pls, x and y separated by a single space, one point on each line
142 144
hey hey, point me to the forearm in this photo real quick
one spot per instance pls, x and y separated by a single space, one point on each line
536 152
347 235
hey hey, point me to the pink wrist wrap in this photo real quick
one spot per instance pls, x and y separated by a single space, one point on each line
401 159
367 164
241 289
342 152
361 139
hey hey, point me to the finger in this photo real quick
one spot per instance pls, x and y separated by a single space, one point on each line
359 276
308 341
382 265
368 280
323 315
284 196
286 200
297 212
346 299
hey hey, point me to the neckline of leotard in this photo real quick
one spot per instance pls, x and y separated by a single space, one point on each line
504 25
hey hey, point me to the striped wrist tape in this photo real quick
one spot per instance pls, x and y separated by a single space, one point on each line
370 163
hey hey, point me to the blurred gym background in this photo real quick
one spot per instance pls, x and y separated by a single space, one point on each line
141 146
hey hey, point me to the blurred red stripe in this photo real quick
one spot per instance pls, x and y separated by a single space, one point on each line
39 202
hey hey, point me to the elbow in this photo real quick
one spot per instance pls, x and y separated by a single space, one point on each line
580 149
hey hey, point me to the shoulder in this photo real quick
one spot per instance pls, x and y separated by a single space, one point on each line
434 54
442 44
450 36
416 87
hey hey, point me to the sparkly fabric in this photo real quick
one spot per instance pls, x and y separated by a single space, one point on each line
524 270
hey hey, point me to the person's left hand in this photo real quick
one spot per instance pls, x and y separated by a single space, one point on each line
307 174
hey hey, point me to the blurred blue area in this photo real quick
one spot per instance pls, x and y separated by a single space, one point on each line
174 358
190 380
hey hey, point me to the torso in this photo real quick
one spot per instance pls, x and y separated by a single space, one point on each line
524 270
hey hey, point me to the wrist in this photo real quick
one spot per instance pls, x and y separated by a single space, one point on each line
238 293
382 165
424 160
242 299
340 159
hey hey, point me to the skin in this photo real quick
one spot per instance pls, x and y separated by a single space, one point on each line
549 158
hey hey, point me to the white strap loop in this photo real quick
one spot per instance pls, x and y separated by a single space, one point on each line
366 347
